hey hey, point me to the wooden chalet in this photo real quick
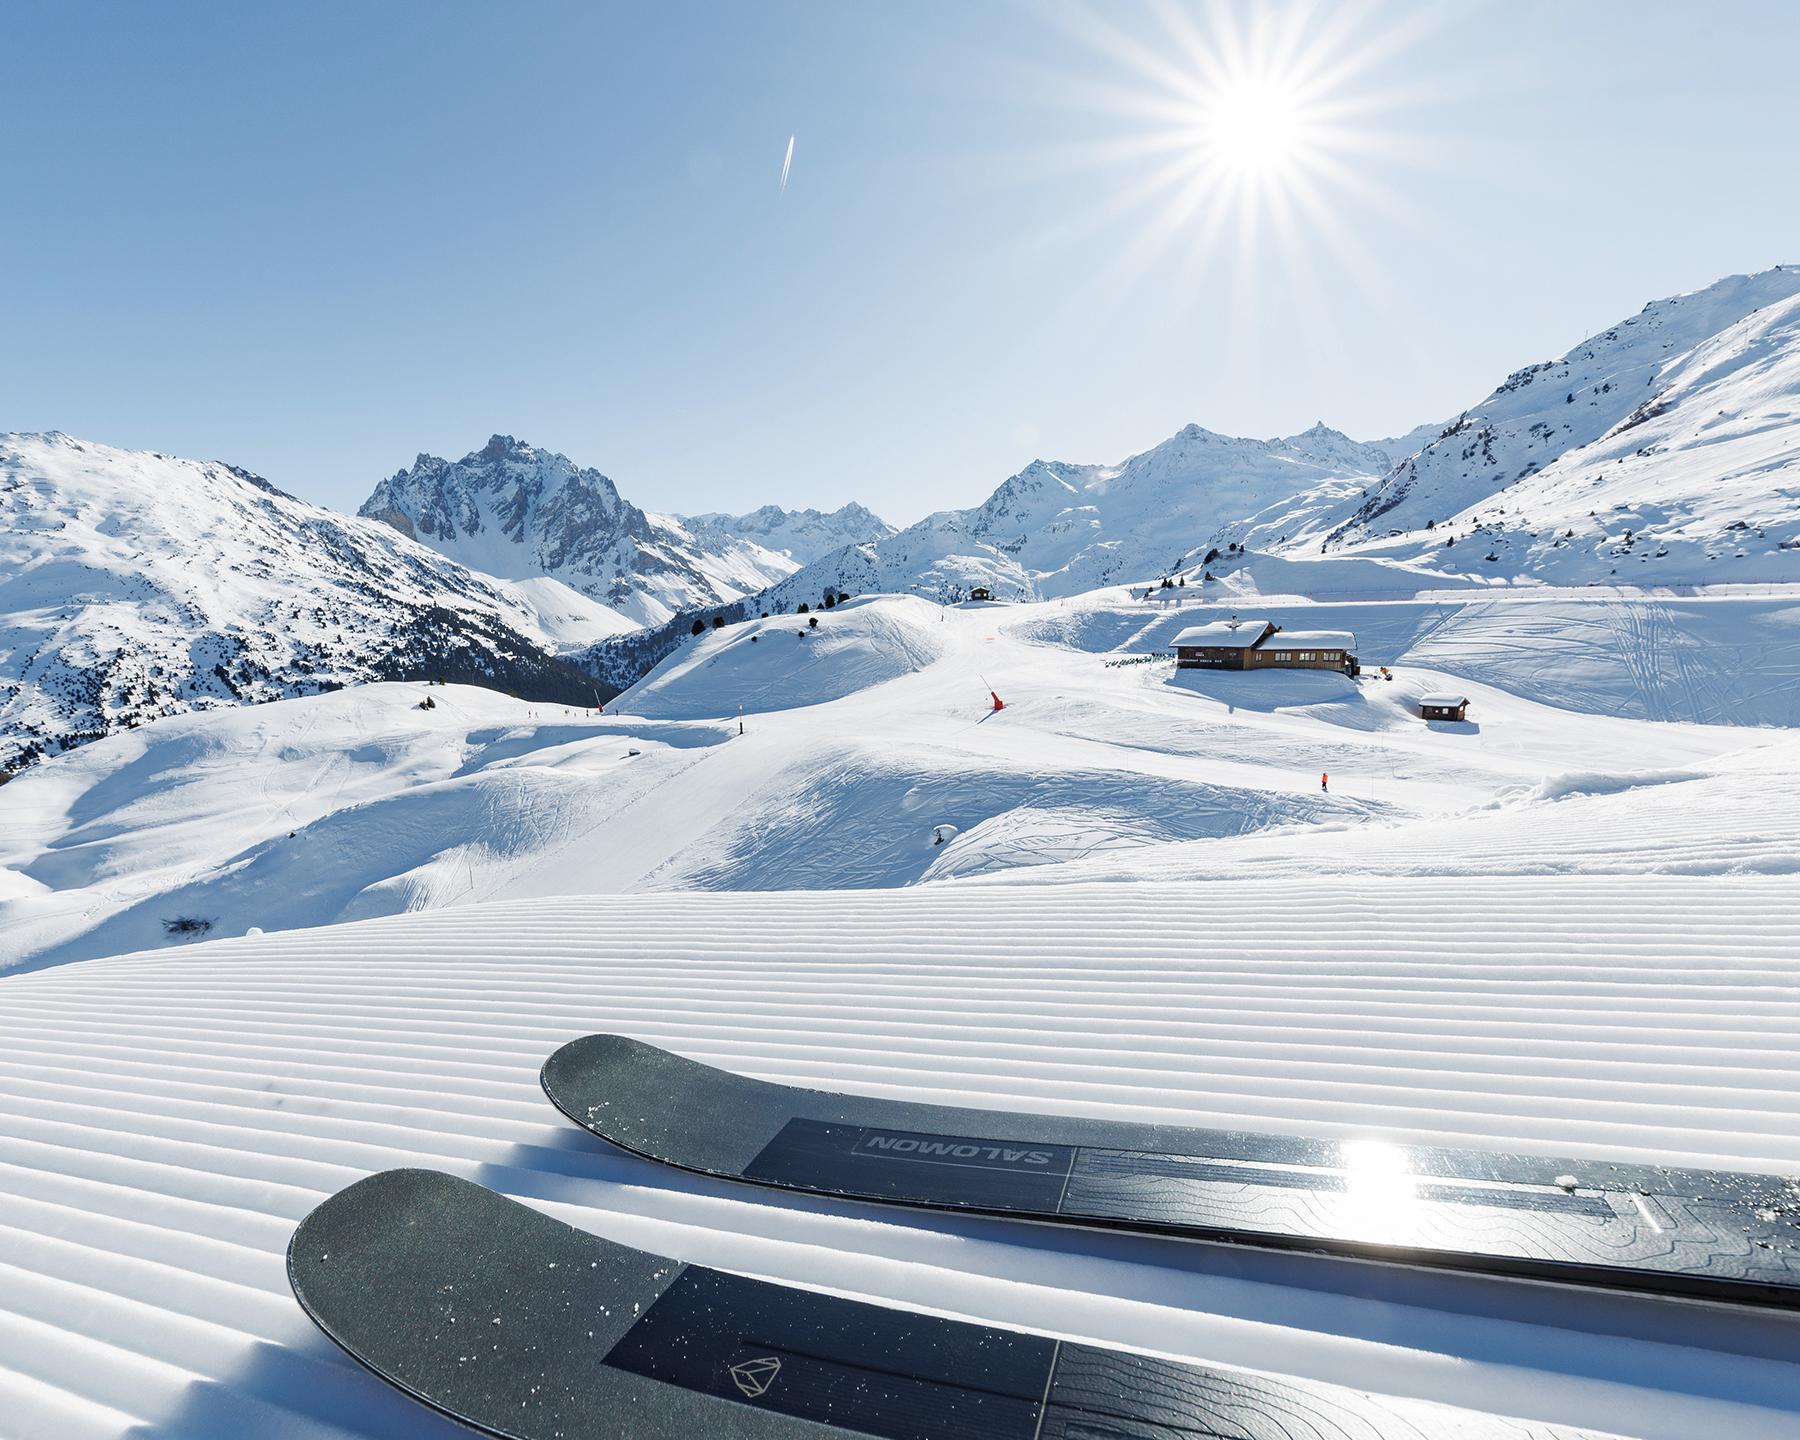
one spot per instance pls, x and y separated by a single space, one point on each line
980 592
1220 645
1444 705
1306 650
1263 645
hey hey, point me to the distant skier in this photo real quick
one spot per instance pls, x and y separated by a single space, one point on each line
1325 782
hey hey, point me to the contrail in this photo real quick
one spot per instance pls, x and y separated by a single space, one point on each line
786 162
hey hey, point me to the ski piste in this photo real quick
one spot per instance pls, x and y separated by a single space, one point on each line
1692 1233
523 1327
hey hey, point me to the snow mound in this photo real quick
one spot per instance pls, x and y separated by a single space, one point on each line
1330 691
852 821
783 663
1042 835
1590 782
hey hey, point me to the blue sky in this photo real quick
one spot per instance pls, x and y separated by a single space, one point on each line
318 239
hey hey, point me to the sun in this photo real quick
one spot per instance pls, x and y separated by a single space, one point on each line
1253 126
1247 131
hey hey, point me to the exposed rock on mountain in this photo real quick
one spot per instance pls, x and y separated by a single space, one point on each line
512 510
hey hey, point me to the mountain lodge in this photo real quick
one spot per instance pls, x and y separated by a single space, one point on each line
1263 645
1444 705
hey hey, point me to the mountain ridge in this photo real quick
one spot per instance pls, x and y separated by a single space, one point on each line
135 585
1672 436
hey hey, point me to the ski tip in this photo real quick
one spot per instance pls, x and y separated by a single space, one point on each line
574 1067
387 1190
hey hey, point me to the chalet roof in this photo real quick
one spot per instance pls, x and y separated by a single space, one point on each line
1310 640
1444 697
1224 634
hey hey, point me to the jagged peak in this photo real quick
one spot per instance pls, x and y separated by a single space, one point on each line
503 447
1319 430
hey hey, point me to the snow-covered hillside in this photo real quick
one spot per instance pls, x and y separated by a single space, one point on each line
1058 529
782 662
135 585
515 511
869 737
1665 449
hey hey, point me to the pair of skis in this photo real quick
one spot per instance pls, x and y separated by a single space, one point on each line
523 1327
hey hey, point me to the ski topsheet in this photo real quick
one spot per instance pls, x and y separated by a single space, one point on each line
1703 1234
526 1328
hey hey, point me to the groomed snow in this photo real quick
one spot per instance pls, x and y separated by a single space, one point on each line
169 1117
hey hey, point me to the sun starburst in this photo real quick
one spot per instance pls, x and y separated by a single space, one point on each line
1252 126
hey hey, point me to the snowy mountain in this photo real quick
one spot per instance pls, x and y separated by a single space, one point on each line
802 535
512 510
1058 529
135 585
1666 448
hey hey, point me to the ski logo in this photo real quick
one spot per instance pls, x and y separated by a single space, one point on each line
926 1147
754 1377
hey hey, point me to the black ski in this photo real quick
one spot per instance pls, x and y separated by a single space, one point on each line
1695 1233
525 1328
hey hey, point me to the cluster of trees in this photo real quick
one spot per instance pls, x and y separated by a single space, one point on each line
829 601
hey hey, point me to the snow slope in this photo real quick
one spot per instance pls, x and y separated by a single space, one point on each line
512 510
1714 657
1665 449
307 812
135 585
